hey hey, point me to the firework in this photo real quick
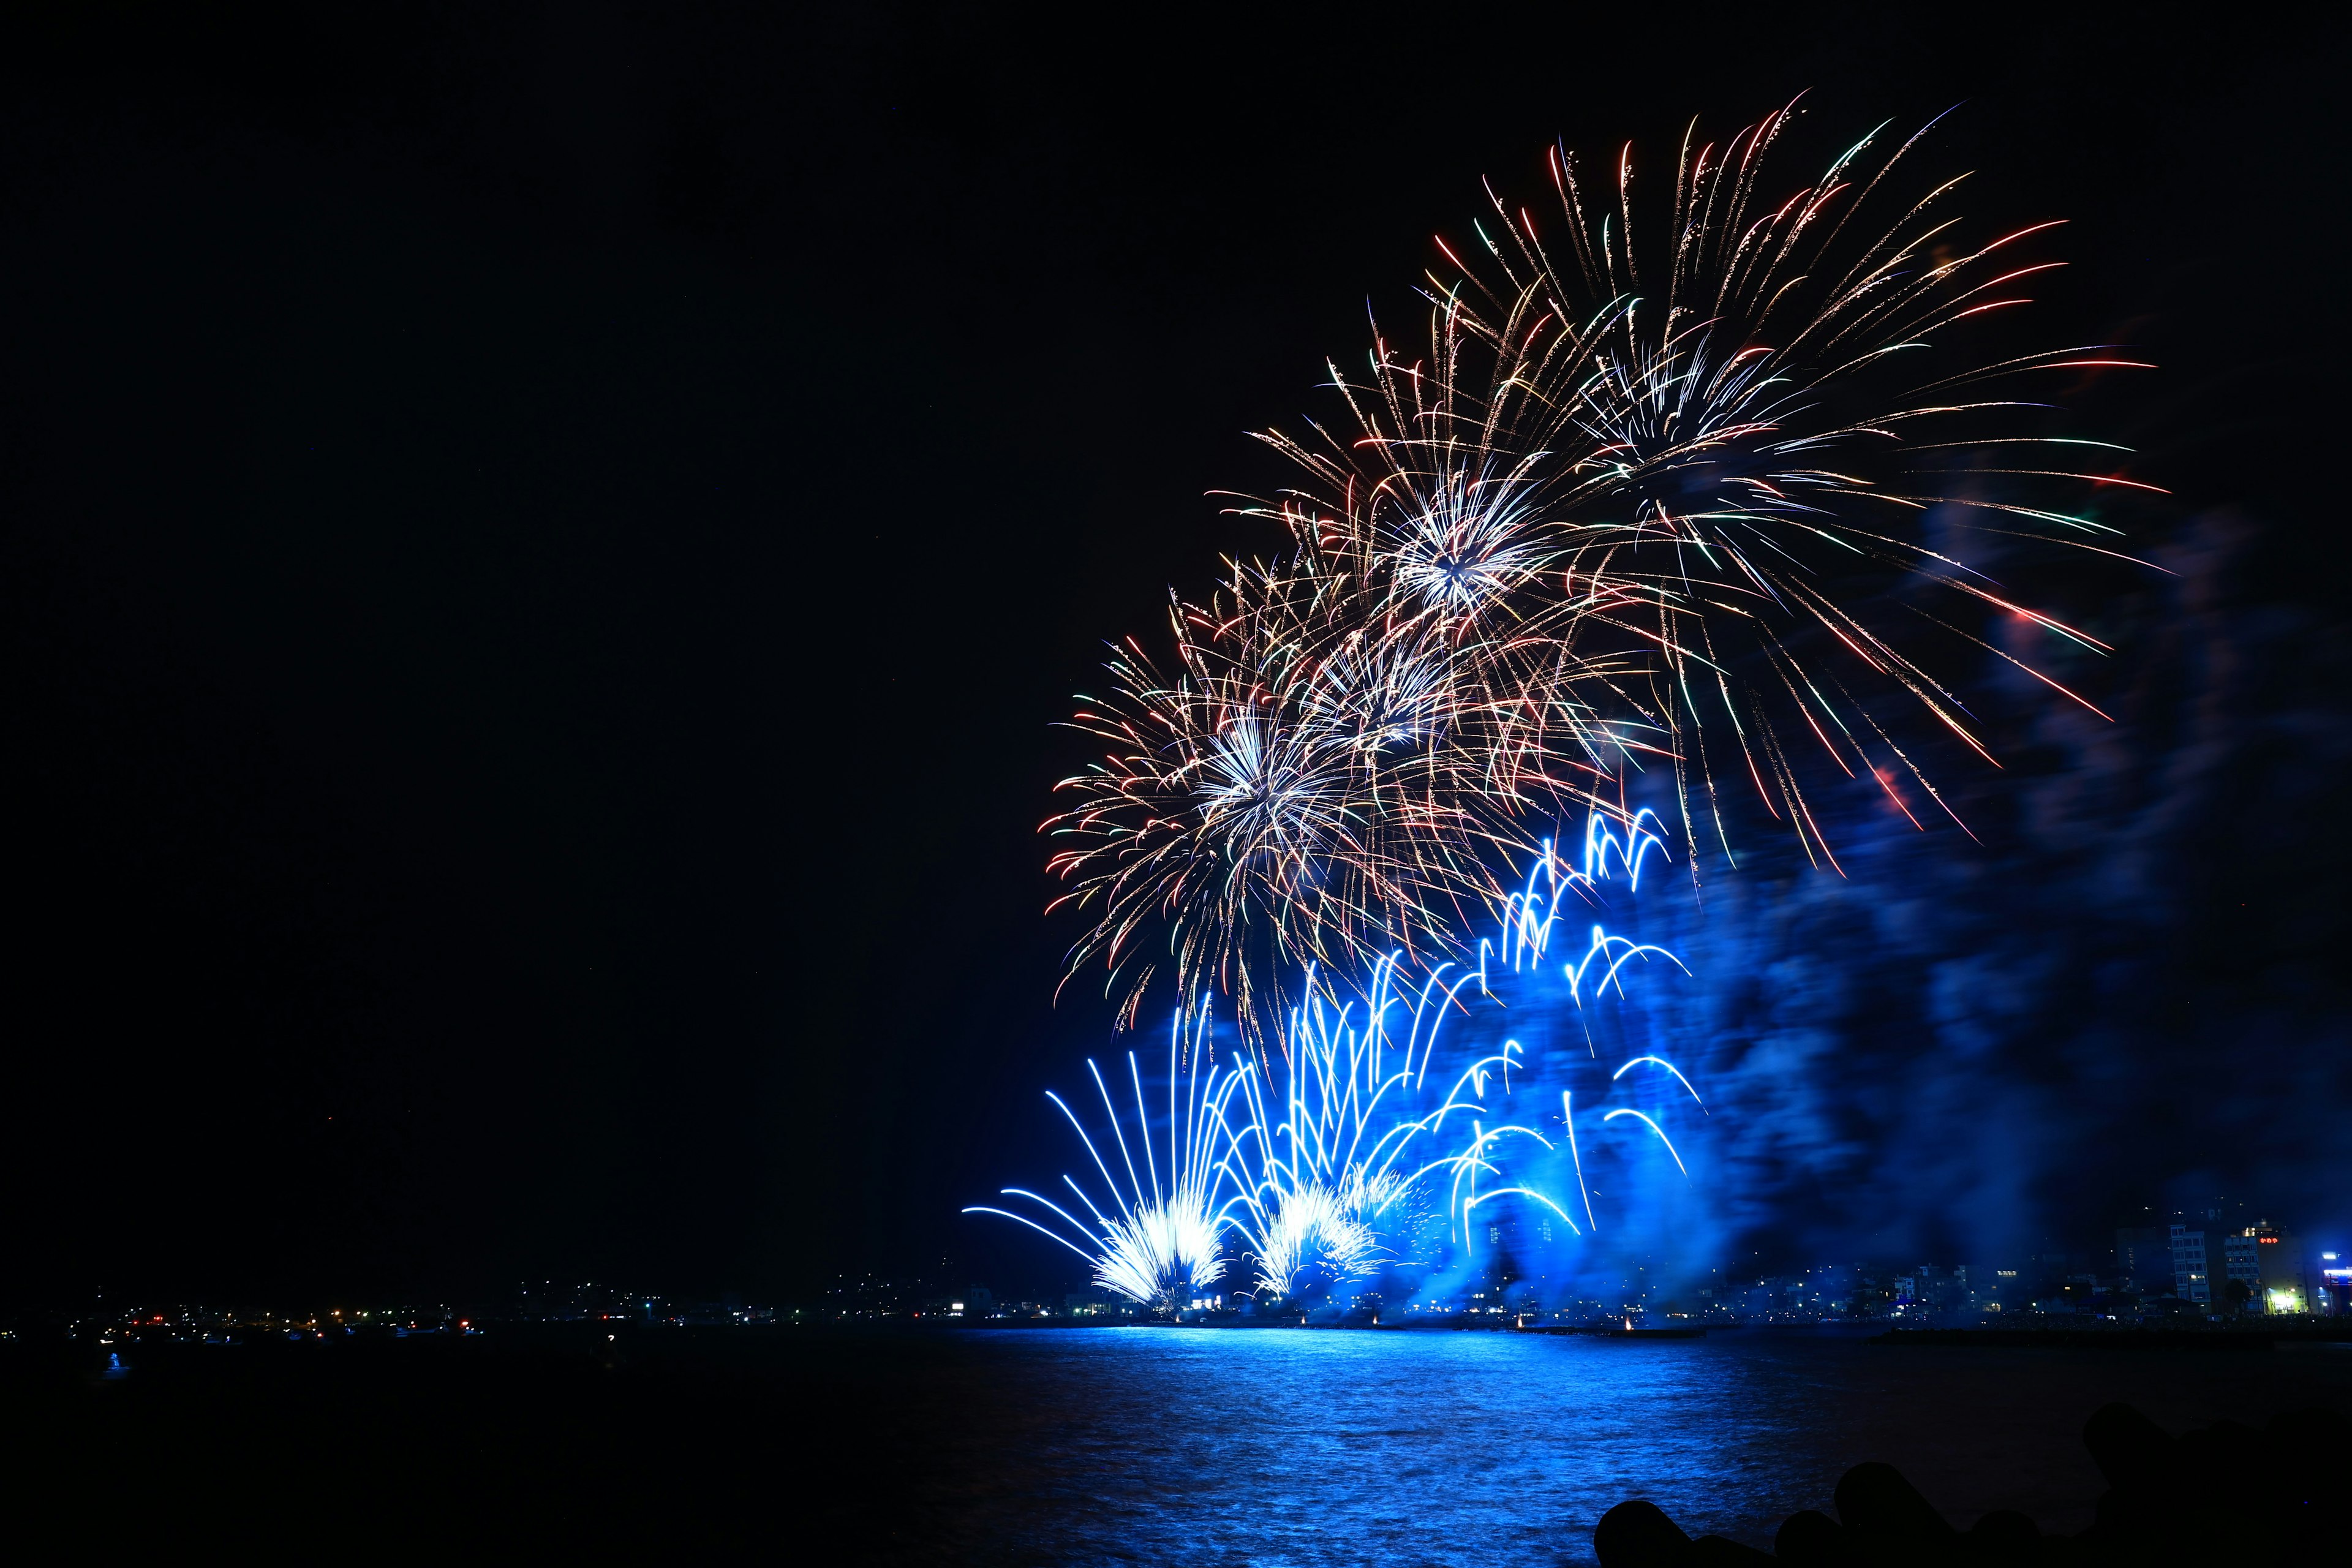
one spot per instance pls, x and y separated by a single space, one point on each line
1773 401
1157 1242
1242 806
1687 488
1339 1150
1331 1178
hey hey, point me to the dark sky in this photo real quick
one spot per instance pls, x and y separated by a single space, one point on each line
542 546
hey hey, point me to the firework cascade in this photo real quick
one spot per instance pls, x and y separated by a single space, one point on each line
1683 500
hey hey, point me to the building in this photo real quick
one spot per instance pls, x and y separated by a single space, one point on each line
1999 1290
2144 1258
2241 1269
2263 1269
2335 1284
2191 1280
2280 1278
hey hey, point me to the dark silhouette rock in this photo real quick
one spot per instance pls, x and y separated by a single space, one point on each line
1638 1534
1813 1537
1890 1521
2227 1493
2003 1536
2130 1449
2145 1514
2229 1458
2311 1452
2313 1428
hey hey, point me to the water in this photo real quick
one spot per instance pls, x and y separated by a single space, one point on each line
1296 1449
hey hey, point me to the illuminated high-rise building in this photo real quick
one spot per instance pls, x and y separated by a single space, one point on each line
2191 1280
2277 1261
2241 1267
2335 1294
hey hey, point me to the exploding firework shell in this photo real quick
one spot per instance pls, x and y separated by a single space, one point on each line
1658 501
1291 794
1768 406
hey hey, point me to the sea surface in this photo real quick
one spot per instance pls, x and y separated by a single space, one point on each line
1292 1448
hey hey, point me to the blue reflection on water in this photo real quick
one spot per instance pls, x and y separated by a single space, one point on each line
1312 1448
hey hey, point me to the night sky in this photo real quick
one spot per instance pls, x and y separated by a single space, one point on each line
543 549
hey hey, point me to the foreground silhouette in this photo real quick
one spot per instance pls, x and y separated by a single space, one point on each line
2227 1493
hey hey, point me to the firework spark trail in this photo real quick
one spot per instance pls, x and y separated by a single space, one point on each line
1314 1200
1311 1180
1650 496
1157 1243
1274 800
1322 1160
1714 401
1325 1178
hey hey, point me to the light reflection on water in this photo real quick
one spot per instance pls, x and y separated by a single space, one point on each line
1311 1447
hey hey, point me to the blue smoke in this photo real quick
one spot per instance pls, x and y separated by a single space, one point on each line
2129 992
2125 990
